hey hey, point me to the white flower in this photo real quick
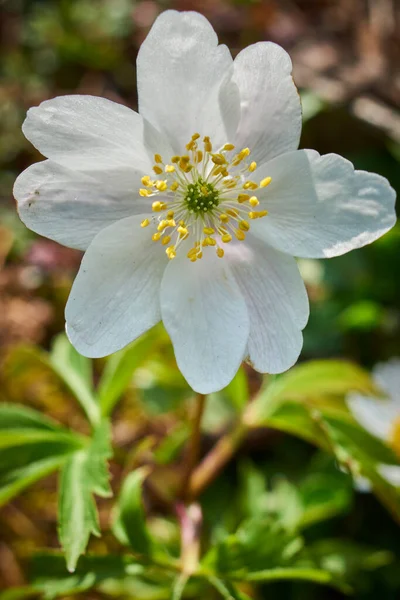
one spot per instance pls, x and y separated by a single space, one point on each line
209 175
382 417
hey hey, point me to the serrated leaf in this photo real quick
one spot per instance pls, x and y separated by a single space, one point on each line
119 369
50 577
129 524
75 371
31 447
83 475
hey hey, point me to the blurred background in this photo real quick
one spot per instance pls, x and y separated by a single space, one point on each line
346 65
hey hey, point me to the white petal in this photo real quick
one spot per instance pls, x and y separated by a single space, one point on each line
391 473
184 80
71 207
88 133
320 207
277 302
374 414
206 317
115 296
270 121
387 376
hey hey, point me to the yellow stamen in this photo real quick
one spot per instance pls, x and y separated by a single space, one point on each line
250 185
228 147
226 238
243 198
244 226
157 158
218 159
161 185
195 136
223 217
147 181
157 206
170 214
254 201
207 144
174 186
265 182
233 212
155 237
208 230
145 223
144 193
240 235
171 253
175 159
252 166
169 168
199 156
166 240
258 215
158 170
220 252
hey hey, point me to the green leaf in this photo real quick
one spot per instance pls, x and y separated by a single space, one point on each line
297 574
311 382
31 447
129 521
227 589
117 374
324 496
83 475
75 371
179 587
49 576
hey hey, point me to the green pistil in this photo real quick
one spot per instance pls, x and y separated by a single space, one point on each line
201 197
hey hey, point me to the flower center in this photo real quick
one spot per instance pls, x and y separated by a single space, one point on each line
205 196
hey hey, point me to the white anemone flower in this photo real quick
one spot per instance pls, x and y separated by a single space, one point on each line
192 210
381 417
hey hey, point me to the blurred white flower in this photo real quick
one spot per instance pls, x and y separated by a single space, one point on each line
381 417
192 210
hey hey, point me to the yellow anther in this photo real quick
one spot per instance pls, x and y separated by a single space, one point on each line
166 240
187 167
243 198
162 225
170 214
244 226
145 223
157 158
220 252
155 237
223 217
258 215
144 193
230 183
147 181
171 223
169 168
265 181
182 223
207 144
250 185
204 190
175 159
228 147
191 145
226 238
199 156
200 255
158 170
161 186
233 212
210 241
245 152
192 252
185 158
252 166
224 172
208 230
193 259
240 235
157 206
195 136
254 201
171 253
182 231
174 186
217 170
218 159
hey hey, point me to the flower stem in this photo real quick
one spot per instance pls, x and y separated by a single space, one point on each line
194 445
216 460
